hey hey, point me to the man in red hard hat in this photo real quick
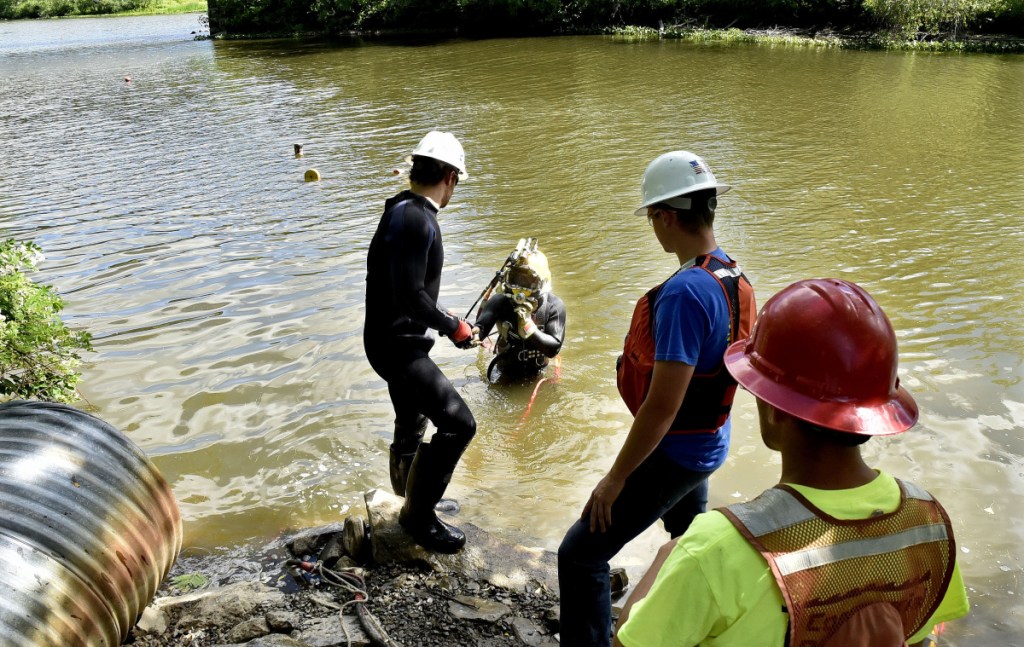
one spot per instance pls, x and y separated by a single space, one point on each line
837 554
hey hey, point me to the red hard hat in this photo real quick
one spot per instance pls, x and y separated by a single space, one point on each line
823 351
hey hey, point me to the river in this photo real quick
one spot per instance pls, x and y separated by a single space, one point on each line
225 294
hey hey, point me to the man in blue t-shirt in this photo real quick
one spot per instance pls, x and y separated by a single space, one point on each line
672 378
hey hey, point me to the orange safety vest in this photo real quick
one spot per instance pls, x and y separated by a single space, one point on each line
885 574
709 396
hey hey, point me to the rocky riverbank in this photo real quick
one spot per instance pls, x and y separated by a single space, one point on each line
359 583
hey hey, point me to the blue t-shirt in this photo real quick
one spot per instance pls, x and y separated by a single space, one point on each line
691 325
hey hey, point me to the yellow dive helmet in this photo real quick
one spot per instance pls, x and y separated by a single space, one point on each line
528 278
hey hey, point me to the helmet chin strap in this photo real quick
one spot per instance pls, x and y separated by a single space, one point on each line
679 203
685 204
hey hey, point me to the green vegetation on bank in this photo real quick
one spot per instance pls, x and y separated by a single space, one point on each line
16 9
920 24
170 7
786 38
930 25
39 355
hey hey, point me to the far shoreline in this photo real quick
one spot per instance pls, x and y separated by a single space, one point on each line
159 8
809 37
826 38
775 37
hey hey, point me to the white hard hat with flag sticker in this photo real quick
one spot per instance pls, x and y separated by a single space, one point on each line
673 175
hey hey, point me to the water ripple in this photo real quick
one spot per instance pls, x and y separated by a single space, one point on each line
225 294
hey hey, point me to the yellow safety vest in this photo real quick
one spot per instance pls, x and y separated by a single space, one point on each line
884 575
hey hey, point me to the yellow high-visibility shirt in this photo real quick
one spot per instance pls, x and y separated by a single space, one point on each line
716 590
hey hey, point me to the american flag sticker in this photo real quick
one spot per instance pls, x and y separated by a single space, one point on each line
698 166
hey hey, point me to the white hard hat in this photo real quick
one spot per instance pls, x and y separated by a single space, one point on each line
445 148
676 174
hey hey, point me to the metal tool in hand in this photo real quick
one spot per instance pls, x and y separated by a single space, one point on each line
525 247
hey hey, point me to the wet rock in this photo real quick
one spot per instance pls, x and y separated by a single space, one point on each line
331 632
485 556
276 640
389 543
619 580
465 607
311 541
332 551
345 562
354 539
153 621
249 629
224 606
552 619
530 633
282 622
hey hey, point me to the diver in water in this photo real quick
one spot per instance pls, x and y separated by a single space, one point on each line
530 318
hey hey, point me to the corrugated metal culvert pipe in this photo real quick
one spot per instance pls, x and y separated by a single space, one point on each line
88 528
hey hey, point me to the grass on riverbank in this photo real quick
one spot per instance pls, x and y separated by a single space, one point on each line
169 7
21 9
784 38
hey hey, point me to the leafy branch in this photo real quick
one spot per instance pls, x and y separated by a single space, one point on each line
39 354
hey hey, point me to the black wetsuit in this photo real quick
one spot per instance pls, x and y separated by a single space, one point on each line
402 283
518 357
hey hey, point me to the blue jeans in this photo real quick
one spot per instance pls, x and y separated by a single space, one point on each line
659 488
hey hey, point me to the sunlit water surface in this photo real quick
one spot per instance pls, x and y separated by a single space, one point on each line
225 294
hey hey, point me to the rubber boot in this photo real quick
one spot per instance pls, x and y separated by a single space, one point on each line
400 463
406 440
428 479
399 467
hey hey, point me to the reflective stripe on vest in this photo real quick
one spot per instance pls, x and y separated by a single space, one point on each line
726 272
828 569
709 396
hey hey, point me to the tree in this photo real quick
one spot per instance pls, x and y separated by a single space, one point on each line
38 353
907 18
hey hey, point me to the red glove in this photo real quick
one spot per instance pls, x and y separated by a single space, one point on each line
463 335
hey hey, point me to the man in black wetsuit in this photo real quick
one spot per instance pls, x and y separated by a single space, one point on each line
402 282
529 317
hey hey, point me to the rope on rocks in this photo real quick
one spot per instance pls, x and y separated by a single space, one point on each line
350 579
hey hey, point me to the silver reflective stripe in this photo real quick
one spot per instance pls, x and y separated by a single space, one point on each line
915 491
726 271
774 510
814 557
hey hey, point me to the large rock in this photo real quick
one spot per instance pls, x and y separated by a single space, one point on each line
466 607
485 556
225 606
530 634
248 630
311 541
276 640
330 632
